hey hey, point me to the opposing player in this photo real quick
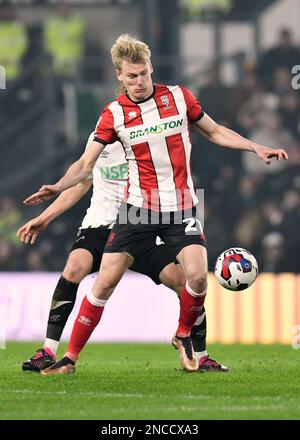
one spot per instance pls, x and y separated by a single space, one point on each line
109 180
152 122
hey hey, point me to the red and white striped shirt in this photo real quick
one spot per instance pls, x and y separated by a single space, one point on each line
155 136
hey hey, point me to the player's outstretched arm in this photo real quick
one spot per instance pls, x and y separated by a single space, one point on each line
78 171
29 232
228 138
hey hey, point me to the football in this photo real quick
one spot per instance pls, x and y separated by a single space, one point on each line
236 269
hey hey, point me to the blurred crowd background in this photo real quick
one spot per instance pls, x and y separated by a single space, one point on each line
238 57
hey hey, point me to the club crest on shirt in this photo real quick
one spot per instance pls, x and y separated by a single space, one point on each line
165 100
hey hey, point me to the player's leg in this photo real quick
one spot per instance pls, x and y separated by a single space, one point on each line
79 264
157 263
77 267
193 260
172 276
112 268
180 235
194 265
123 244
84 258
199 328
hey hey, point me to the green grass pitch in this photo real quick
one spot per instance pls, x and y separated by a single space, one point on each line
145 382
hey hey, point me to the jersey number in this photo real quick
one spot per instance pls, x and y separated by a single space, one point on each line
191 226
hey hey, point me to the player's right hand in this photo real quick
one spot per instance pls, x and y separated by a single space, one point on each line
29 232
46 192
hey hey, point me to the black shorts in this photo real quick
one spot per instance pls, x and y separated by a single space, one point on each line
136 229
149 262
93 240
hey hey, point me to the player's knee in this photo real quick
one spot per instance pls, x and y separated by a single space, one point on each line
197 281
75 270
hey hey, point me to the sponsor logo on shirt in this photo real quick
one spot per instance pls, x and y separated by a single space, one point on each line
156 129
116 172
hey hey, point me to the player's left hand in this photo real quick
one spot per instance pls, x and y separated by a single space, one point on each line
46 192
266 154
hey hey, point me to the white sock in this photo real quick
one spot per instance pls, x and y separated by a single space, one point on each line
52 344
200 354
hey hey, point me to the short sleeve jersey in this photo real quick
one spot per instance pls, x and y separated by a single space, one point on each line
156 139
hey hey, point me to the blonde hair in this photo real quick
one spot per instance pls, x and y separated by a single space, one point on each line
121 89
128 48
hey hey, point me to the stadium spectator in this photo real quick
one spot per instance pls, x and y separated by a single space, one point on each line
289 111
248 230
13 46
13 42
35 261
291 211
64 34
284 55
10 218
244 93
215 96
281 81
8 257
274 258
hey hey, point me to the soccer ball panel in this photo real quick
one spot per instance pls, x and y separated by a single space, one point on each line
236 269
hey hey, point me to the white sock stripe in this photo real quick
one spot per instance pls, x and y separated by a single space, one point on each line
52 344
95 301
200 319
194 294
200 354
